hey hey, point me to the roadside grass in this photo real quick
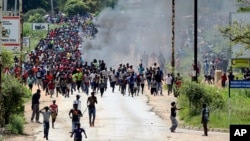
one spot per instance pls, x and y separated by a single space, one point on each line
236 110
36 35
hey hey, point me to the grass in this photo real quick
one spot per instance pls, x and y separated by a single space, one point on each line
36 36
235 111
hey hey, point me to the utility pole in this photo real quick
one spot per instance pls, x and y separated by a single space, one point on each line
5 5
173 36
15 10
196 39
2 110
52 7
21 35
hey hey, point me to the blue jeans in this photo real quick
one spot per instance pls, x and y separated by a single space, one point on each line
46 128
159 87
92 113
74 125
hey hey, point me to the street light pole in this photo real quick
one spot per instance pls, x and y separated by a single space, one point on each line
173 36
196 39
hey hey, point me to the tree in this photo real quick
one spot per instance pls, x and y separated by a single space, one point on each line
237 33
32 12
73 7
36 18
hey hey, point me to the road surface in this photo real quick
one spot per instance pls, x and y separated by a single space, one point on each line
119 118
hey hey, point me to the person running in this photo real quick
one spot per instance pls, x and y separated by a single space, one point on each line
173 117
54 111
51 88
30 81
78 102
78 133
57 84
75 115
205 118
92 100
46 115
35 105
101 84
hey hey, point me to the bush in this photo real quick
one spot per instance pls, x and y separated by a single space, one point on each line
16 124
14 93
197 94
32 12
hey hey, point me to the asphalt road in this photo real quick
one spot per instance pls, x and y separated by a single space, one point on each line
120 118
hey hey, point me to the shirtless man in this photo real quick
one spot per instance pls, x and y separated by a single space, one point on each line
92 100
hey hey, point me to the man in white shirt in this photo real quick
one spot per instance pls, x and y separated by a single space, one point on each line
169 83
78 102
46 116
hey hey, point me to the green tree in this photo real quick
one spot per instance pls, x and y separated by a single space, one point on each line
31 12
237 33
36 18
245 5
73 7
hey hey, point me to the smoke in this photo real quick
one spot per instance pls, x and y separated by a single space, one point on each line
136 29
131 29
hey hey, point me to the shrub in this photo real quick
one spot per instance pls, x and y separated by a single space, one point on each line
33 12
16 124
196 94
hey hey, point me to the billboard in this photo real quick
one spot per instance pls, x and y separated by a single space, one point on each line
11 33
40 26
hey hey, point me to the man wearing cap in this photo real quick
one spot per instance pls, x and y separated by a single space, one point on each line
46 115
78 102
173 116
92 100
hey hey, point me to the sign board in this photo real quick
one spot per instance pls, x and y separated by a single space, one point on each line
239 84
240 62
26 42
40 26
11 33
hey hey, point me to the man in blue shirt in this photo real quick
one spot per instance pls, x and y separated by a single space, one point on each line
78 133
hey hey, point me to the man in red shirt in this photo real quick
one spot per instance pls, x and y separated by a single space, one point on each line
54 112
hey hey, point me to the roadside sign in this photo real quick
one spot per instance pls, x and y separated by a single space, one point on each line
26 42
40 26
240 62
11 33
239 84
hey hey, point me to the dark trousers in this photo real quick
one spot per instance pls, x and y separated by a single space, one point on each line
205 128
46 128
35 112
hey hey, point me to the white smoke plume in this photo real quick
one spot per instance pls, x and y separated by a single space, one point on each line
138 27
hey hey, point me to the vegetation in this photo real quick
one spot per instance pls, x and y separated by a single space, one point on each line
14 93
30 14
223 110
237 33
73 7
16 124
